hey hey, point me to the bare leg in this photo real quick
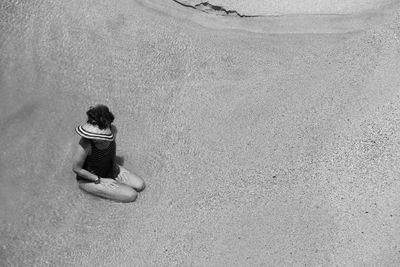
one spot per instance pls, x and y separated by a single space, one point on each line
118 192
128 178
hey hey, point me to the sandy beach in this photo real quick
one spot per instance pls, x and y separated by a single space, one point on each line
271 141
286 7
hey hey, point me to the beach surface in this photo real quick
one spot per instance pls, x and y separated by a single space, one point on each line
285 7
262 142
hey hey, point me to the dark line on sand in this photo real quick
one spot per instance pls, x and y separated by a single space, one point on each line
216 8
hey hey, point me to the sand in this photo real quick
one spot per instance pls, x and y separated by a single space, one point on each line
257 148
285 7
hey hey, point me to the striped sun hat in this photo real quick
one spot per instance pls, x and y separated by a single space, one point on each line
91 131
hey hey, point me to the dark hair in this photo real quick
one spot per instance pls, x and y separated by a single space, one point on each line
100 115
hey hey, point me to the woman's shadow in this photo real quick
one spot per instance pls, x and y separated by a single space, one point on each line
120 160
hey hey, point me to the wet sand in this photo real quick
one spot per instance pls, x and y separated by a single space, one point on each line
257 148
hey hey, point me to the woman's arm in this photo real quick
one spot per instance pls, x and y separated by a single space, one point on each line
79 160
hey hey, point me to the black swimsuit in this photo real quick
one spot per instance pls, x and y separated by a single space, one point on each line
100 161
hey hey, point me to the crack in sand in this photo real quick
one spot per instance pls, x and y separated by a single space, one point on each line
213 9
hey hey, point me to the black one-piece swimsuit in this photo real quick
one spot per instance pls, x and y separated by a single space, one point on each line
100 161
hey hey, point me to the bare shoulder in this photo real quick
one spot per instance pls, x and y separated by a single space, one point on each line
85 144
82 151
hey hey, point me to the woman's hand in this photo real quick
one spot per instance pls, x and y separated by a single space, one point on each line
109 183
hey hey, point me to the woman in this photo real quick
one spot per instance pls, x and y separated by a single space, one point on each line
95 160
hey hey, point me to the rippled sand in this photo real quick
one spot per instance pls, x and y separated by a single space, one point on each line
257 148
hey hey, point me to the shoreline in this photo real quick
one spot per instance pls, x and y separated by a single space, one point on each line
266 8
277 24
